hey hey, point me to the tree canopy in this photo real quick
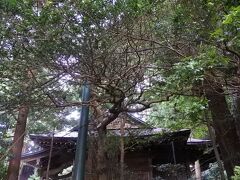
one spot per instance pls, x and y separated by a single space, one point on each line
179 59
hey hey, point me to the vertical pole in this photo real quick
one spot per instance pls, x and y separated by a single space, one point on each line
214 145
122 148
174 156
173 153
80 155
50 157
197 170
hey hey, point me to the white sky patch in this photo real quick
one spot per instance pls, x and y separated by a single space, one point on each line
63 81
73 115
142 115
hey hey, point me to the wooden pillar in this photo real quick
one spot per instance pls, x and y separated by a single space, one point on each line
173 153
197 170
150 174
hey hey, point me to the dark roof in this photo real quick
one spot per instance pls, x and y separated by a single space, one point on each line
160 136
69 138
33 154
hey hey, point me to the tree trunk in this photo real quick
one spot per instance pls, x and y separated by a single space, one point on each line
122 149
101 155
225 129
236 111
14 165
214 144
91 159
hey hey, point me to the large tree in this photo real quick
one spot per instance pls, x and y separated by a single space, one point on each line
205 39
132 54
62 44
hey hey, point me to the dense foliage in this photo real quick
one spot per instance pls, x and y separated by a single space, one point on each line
236 173
179 58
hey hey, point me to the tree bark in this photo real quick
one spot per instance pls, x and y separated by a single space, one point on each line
224 126
101 155
122 148
91 159
14 165
214 144
236 111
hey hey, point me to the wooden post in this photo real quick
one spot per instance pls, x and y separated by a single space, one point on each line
197 170
122 148
173 153
50 157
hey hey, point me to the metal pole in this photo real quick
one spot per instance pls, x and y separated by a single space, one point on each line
80 155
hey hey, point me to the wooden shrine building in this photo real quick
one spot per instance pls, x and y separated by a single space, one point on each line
151 154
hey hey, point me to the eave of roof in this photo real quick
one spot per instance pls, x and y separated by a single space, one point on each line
193 141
